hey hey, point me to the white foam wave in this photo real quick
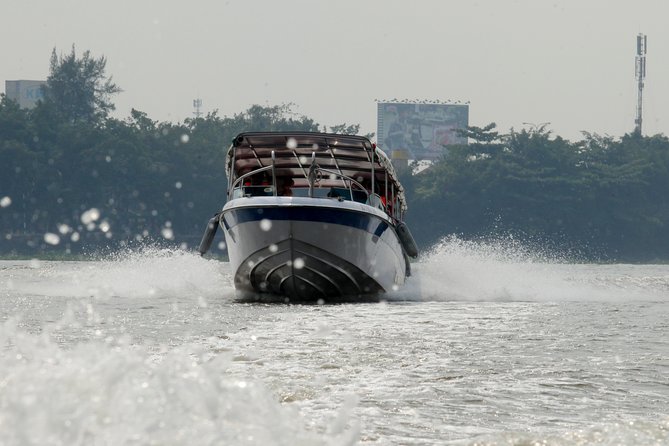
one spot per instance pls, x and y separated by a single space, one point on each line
507 271
113 392
148 272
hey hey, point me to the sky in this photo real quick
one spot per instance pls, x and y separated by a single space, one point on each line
520 63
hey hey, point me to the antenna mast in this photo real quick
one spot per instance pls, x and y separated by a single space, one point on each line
197 104
640 74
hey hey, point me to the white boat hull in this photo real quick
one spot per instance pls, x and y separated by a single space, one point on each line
310 249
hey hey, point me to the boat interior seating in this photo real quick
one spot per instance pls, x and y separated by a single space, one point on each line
258 191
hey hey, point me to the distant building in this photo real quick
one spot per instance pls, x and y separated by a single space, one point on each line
25 93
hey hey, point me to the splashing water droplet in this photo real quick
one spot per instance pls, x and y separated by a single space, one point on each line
303 159
221 245
104 226
51 238
178 185
64 229
89 216
167 233
265 224
5 201
75 237
185 138
298 263
291 143
273 248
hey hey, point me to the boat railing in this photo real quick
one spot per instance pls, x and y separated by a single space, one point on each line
352 189
350 185
254 189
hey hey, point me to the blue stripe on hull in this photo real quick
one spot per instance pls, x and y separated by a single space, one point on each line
359 220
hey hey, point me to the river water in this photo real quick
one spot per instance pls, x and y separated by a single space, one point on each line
484 345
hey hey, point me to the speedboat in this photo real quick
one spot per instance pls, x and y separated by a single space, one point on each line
312 217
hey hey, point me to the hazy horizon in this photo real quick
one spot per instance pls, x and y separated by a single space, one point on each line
519 63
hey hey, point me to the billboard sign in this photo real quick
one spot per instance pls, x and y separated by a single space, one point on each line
420 131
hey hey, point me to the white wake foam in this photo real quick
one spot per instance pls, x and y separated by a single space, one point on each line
147 272
113 392
508 271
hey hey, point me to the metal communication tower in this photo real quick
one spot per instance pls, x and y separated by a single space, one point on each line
640 74
197 104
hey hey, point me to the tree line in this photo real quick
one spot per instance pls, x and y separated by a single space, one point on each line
74 178
599 198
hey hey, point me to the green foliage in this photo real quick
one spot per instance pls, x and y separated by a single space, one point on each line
77 88
481 135
345 129
14 123
600 197
144 177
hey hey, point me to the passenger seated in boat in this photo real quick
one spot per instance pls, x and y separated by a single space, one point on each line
343 193
339 193
264 179
258 185
382 197
284 186
333 193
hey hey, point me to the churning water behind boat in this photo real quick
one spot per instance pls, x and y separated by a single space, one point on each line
486 343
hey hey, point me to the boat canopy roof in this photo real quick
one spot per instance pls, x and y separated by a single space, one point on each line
348 155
